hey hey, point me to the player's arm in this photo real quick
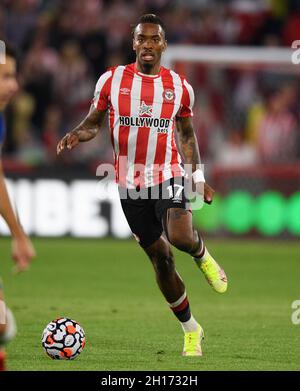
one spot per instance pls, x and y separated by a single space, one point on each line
187 142
22 249
85 131
190 151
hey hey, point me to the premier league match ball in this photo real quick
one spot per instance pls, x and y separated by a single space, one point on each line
63 339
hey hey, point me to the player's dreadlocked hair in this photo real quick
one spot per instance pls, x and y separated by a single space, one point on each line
149 18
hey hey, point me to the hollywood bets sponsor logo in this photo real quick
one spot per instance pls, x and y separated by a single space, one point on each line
161 124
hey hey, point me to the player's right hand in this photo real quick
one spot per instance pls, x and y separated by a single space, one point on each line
70 140
22 252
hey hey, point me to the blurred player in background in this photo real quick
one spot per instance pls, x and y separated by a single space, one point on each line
144 101
22 249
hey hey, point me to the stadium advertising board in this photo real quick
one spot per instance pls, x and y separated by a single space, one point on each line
92 209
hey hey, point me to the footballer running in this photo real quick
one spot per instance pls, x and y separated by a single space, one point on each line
145 102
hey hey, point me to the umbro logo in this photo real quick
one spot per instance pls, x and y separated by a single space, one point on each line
124 91
145 109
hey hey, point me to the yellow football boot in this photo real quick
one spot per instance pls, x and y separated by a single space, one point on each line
192 342
213 273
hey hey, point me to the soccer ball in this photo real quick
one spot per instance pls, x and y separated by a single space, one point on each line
63 339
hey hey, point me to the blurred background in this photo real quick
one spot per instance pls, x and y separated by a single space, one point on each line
246 115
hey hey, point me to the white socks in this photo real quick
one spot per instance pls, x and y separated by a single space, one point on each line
190 325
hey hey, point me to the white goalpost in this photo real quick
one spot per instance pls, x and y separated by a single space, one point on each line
227 55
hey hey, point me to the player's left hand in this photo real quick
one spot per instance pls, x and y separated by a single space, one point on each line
208 192
22 253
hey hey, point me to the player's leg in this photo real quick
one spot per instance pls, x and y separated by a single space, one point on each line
147 230
7 327
173 289
168 279
180 232
2 327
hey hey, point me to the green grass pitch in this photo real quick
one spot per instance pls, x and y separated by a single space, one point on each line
109 288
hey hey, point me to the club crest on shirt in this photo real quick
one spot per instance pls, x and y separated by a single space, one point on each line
169 95
145 109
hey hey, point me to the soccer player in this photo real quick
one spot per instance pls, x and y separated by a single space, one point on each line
145 101
22 249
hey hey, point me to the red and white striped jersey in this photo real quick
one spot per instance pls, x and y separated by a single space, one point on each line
142 112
